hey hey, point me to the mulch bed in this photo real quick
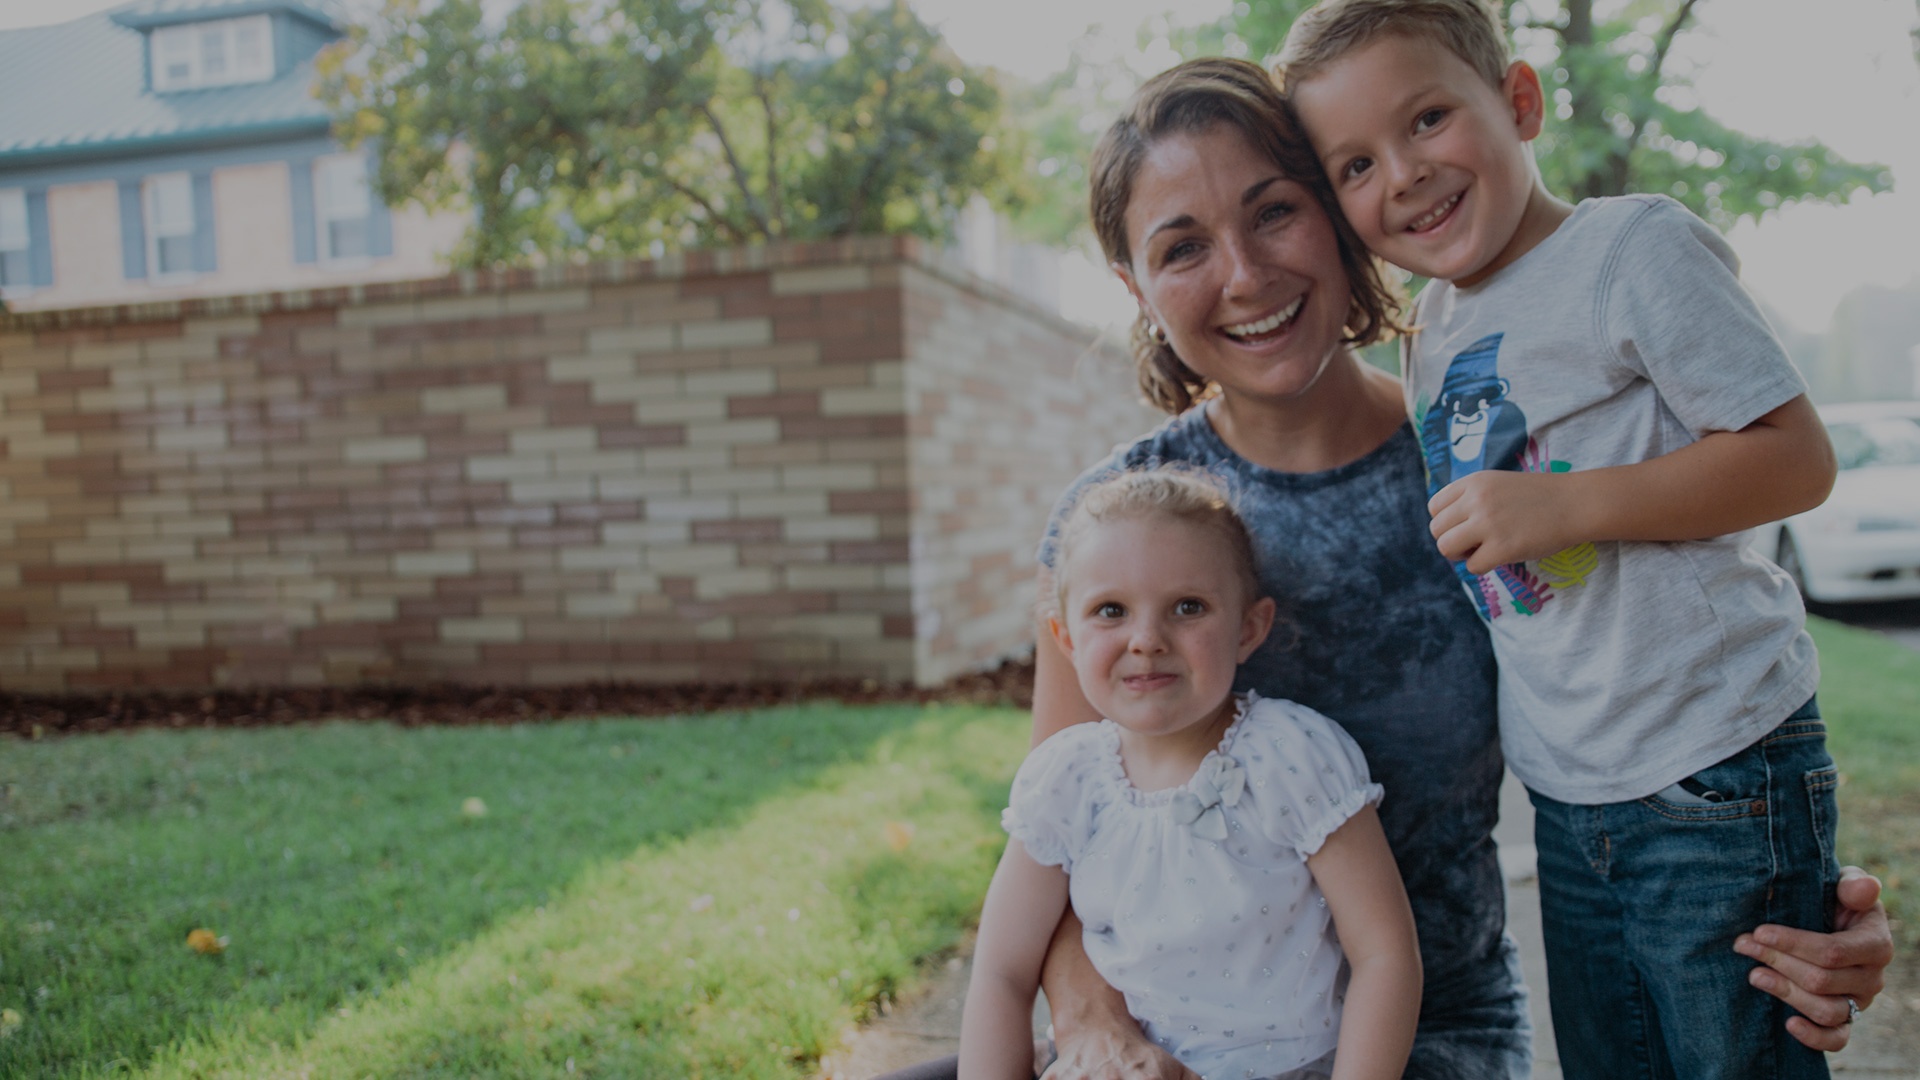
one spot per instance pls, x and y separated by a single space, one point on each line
37 715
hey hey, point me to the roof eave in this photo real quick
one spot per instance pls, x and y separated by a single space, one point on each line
138 146
138 20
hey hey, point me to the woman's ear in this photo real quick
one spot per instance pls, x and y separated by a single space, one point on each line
1528 100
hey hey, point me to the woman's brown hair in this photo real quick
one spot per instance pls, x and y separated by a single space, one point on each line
1190 99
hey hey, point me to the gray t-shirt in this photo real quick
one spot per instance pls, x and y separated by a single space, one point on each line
1623 336
1378 636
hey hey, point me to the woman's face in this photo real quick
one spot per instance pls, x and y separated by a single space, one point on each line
1237 264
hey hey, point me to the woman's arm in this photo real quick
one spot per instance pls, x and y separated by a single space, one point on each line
1356 873
1094 1035
996 1026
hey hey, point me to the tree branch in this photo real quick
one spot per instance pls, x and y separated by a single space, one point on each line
754 209
713 214
1665 40
763 88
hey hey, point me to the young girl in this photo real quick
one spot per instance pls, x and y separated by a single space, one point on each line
1211 843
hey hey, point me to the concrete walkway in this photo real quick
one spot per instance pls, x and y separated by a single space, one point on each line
929 1026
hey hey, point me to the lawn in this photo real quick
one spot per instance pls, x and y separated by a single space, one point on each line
715 897
1870 694
707 898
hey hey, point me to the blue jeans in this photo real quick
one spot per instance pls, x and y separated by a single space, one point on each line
1641 900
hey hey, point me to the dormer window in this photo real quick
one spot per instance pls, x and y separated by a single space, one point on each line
220 52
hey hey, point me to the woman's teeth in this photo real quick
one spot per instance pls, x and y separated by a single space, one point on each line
1268 324
1434 214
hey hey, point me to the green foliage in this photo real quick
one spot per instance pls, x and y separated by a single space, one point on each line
715 897
635 126
1623 119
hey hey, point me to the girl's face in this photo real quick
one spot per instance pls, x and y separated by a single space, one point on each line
1156 618
1237 264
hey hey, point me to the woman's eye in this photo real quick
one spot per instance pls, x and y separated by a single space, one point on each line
1428 119
1190 606
1275 211
1178 250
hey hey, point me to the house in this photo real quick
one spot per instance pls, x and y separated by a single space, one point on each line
174 148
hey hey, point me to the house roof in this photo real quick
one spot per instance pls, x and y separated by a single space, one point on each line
146 14
77 89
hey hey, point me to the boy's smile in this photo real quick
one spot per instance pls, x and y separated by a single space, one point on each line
1429 160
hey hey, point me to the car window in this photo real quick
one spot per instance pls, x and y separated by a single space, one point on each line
1891 440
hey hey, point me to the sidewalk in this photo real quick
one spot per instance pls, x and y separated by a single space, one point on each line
929 1026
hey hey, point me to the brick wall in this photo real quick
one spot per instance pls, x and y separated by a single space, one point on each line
802 460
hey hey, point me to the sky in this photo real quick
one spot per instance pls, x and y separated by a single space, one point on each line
1845 76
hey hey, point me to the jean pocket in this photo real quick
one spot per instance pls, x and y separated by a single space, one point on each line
1823 808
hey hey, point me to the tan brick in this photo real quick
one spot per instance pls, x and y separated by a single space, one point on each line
548 300
825 279
788 504
607 558
617 462
861 401
676 410
848 477
703 558
634 582
714 481
676 459
831 577
484 306
726 333
733 432
728 383
593 367
643 534
45 446
463 399
741 582
706 508
432 563
374 315
629 387
644 485
93 594
509 468
631 339
854 527
386 451
570 489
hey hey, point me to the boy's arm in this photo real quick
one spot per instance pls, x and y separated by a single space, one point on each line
1356 873
1775 467
1023 906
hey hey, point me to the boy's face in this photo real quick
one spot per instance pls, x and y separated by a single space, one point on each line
1429 161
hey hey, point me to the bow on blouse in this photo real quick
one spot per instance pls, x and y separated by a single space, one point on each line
1198 804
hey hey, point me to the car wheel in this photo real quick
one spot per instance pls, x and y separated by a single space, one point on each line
1788 556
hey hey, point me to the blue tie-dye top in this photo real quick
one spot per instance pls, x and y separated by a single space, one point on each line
1377 634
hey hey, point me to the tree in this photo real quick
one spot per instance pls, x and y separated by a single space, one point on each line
631 126
1624 120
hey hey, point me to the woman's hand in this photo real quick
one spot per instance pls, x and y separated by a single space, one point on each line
1114 1055
1816 973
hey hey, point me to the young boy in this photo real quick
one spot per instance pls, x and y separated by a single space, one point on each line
1601 404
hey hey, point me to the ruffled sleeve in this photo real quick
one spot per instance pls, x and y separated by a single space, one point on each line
1057 794
1307 774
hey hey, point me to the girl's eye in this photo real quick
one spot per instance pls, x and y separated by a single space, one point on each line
1109 610
1190 606
1356 168
1428 119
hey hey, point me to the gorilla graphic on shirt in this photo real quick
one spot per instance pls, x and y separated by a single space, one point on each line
1471 427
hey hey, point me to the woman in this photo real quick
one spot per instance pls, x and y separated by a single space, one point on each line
1253 293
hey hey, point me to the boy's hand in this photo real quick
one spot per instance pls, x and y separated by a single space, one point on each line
1494 518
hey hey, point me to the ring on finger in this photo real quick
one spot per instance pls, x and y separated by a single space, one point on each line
1853 1010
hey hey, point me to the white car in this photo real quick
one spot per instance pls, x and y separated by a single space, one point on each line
1863 543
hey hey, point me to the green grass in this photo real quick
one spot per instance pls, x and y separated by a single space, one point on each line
1870 695
707 898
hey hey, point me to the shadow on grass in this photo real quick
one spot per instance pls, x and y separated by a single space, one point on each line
333 859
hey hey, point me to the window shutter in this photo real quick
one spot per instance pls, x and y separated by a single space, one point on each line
40 238
205 257
300 173
133 231
379 220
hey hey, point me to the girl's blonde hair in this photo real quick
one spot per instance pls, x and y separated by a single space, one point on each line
1192 99
1161 493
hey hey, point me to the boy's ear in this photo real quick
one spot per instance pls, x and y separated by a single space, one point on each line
1254 627
1060 636
1527 98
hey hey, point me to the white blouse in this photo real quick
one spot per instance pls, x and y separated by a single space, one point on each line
1197 901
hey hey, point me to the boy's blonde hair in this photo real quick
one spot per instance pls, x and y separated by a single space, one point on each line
1469 29
1165 493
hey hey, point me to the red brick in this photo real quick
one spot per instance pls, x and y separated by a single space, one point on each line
52 382
869 551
